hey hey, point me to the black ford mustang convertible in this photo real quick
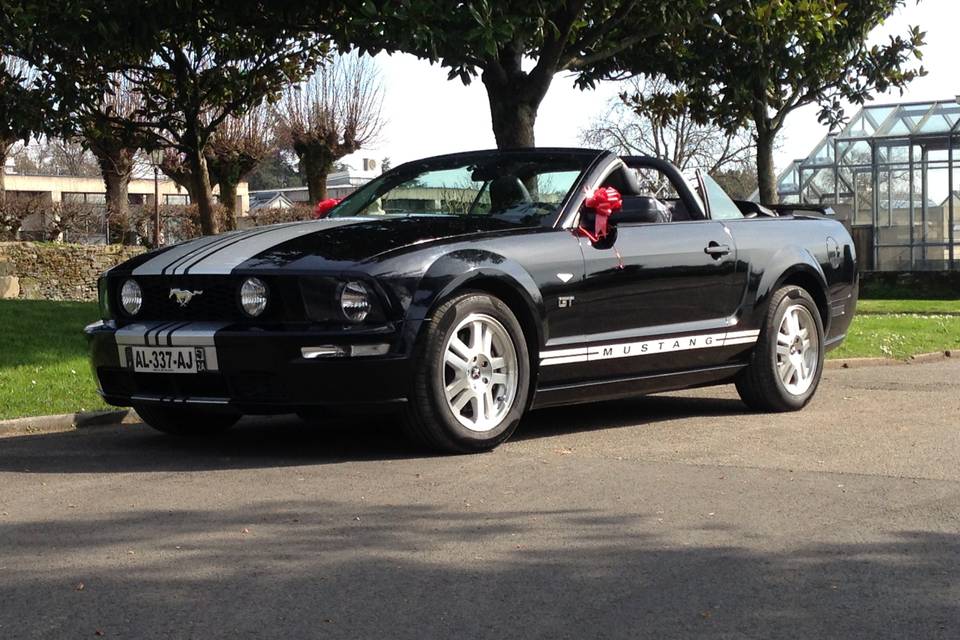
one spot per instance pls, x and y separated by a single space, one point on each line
467 289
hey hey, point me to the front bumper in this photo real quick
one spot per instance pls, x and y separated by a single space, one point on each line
258 369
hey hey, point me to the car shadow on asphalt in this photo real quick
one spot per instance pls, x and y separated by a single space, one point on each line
279 441
640 412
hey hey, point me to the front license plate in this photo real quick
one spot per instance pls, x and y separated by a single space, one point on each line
167 359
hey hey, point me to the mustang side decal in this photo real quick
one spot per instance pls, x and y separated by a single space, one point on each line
647 347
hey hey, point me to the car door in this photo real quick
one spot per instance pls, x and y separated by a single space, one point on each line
661 296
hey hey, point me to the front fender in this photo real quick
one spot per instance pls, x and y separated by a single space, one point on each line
466 268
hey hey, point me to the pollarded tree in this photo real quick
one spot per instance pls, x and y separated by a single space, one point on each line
756 62
114 144
331 115
518 46
239 144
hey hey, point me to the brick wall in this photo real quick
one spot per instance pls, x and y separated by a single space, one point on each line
51 271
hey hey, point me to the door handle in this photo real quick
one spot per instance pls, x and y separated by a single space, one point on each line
716 250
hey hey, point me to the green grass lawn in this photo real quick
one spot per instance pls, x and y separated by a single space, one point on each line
926 307
899 336
43 358
44 370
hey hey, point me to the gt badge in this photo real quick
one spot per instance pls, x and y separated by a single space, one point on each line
565 301
184 296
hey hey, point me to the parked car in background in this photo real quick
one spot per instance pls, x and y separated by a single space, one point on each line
470 288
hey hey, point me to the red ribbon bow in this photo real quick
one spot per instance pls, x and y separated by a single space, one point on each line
605 201
323 207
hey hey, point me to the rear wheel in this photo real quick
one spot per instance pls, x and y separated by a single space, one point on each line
788 361
471 384
186 422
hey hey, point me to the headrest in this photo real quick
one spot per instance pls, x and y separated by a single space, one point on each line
625 180
643 209
507 191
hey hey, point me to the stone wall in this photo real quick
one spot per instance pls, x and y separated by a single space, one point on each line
51 271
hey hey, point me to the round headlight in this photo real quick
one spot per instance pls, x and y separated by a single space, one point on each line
253 296
131 297
355 301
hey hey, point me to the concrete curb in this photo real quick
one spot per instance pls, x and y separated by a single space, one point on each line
856 363
66 422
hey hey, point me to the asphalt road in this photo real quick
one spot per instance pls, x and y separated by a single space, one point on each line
669 516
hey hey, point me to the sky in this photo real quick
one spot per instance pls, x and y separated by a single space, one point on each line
429 115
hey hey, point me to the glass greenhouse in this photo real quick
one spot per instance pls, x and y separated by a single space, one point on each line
892 173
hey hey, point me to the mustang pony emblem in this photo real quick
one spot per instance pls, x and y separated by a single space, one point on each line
184 296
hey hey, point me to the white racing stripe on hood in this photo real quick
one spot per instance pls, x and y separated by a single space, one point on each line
233 248
225 259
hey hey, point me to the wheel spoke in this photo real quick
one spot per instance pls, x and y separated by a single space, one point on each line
454 388
487 342
783 349
498 378
783 338
461 401
793 322
498 363
454 360
788 372
462 350
488 410
476 336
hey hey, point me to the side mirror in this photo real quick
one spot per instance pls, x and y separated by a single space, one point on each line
599 205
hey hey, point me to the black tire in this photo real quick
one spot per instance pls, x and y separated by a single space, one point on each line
760 385
186 422
428 418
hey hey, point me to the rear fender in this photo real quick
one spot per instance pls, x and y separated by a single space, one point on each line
792 263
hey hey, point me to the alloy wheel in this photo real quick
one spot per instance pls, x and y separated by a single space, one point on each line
480 372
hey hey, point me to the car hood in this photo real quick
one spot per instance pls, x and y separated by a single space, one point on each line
338 242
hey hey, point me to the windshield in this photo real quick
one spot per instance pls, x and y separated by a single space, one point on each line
526 188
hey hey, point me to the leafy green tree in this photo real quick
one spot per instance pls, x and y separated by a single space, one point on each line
194 62
756 62
276 171
20 107
518 46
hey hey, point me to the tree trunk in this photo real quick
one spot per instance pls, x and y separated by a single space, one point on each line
228 198
766 174
513 122
116 167
514 98
4 150
316 167
201 192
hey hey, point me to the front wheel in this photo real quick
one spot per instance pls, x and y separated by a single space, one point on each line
183 421
472 379
787 362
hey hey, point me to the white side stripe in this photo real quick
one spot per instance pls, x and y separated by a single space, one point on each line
595 353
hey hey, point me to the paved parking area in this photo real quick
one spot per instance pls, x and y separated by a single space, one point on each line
670 516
